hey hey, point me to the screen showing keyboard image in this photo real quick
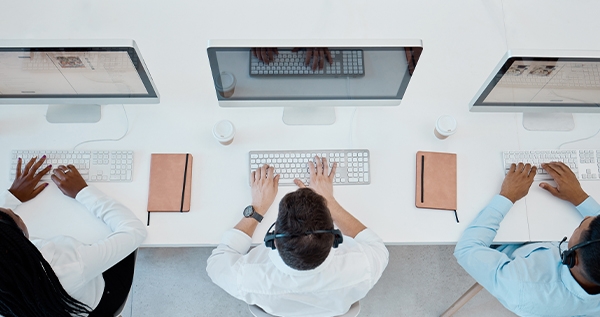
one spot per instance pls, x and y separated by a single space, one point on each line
94 166
353 166
299 63
585 164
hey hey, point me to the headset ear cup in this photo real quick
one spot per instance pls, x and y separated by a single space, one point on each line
569 259
338 238
270 240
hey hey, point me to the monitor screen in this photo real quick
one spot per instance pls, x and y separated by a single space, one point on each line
29 73
312 73
548 82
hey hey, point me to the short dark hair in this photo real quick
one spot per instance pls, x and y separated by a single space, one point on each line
590 254
301 211
28 285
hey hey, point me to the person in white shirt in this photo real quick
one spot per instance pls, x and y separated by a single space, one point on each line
61 276
305 274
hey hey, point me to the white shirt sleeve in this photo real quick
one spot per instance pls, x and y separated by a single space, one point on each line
222 265
8 200
376 252
128 232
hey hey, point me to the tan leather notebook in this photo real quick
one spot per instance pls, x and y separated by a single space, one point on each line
170 183
436 181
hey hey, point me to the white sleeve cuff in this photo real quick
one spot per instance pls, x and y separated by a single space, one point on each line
237 240
367 235
8 200
589 207
88 195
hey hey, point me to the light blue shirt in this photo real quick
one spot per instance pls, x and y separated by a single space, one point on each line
529 279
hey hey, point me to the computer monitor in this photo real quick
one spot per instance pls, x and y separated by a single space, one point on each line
362 73
74 77
546 85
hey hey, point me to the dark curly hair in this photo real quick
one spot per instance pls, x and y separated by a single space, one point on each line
301 211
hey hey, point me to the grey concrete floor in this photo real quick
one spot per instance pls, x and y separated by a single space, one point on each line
419 281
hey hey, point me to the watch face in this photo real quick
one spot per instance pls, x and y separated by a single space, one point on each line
248 211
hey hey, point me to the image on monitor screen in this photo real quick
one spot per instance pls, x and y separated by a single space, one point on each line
310 78
547 86
82 74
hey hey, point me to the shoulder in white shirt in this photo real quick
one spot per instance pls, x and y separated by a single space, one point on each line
79 266
261 277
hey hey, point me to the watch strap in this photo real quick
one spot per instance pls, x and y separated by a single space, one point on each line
256 216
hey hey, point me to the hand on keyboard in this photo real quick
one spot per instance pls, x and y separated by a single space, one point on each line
25 186
318 56
93 165
567 185
265 54
264 188
517 182
321 179
68 180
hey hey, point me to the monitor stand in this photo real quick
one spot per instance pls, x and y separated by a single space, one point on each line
309 115
535 121
73 113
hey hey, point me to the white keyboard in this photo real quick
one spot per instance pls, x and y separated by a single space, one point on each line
94 166
288 63
584 163
353 166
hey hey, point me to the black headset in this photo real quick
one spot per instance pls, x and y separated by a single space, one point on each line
568 256
271 236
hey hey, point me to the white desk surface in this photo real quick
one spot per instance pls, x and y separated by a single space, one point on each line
463 41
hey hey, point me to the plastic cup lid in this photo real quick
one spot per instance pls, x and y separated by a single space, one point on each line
226 81
446 124
223 129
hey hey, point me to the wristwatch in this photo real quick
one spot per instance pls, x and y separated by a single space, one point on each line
249 212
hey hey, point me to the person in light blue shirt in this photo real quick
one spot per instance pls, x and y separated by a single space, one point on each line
531 279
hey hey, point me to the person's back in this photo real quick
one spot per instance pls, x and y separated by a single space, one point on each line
297 272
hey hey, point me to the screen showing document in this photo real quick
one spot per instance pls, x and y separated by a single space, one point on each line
545 81
59 73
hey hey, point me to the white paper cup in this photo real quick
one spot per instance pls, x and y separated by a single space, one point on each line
224 131
445 126
225 84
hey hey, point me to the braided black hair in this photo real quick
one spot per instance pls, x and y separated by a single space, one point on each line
28 285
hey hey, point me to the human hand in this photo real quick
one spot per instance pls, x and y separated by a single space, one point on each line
264 188
321 180
68 180
517 182
318 56
24 187
567 185
265 54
